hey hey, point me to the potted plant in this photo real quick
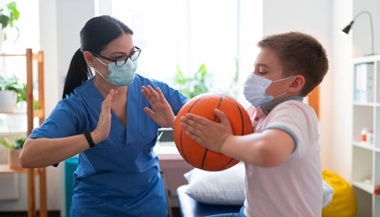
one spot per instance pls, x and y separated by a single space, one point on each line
12 91
192 86
14 145
8 15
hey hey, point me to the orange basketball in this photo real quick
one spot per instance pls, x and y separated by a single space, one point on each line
204 105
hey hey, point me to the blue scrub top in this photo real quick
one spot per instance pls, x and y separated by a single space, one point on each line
119 176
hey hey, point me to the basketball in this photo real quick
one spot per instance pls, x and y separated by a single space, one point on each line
204 105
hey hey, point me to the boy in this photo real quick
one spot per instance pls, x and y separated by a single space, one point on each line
282 162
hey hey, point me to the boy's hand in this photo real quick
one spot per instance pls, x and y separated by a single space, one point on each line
160 111
207 133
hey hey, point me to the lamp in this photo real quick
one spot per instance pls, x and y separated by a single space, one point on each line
349 26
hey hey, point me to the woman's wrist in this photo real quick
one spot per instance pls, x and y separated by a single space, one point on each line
89 139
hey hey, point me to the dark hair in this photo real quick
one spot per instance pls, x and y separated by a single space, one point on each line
299 53
94 36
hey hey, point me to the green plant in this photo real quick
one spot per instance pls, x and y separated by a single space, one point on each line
192 86
15 144
13 84
8 15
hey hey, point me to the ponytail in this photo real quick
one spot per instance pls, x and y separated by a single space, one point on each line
77 74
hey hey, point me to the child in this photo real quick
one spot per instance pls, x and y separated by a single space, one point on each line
282 162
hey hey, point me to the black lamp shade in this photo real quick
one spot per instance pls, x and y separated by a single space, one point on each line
348 27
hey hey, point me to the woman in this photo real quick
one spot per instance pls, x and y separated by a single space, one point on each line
101 117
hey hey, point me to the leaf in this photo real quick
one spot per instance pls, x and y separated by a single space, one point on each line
18 143
13 83
8 16
6 143
4 20
192 86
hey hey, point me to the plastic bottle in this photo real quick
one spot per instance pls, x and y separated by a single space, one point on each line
364 134
377 190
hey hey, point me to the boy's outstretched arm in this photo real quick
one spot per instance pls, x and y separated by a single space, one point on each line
267 149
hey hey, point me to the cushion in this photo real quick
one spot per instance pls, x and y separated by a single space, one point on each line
221 187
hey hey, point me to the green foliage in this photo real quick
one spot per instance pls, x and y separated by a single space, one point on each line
8 16
13 84
192 86
15 144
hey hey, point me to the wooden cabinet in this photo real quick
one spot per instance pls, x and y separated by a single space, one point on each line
33 60
366 134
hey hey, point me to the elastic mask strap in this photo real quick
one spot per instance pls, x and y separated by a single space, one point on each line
101 61
283 79
99 74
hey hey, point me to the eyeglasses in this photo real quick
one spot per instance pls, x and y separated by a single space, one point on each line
120 61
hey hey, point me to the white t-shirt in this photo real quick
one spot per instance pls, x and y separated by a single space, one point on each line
293 188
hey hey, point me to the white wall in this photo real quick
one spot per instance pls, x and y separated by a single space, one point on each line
61 22
339 151
361 30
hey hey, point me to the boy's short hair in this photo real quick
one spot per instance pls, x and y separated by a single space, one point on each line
299 53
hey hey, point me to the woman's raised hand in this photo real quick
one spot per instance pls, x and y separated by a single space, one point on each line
160 110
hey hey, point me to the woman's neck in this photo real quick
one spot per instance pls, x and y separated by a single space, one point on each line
104 87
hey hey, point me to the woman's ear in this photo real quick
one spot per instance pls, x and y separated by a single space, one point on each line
89 58
297 84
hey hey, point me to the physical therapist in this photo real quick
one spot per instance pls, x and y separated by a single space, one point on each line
111 120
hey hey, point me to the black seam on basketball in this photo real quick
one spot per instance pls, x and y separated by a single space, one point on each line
204 158
242 120
227 164
219 104
183 150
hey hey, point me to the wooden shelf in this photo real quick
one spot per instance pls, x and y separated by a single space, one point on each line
32 59
4 168
365 187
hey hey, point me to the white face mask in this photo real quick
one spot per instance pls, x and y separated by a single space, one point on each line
255 88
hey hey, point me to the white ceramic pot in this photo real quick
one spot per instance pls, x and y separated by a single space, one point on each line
8 100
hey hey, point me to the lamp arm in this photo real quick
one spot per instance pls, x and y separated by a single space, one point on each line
371 26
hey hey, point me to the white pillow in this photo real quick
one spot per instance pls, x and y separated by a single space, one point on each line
328 193
227 187
222 187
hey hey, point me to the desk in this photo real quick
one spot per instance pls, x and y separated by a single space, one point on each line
32 173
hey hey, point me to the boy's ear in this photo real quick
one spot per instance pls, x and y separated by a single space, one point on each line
297 84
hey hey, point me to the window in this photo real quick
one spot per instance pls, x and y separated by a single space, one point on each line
186 34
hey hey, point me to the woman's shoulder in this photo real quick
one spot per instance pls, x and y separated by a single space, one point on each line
82 93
